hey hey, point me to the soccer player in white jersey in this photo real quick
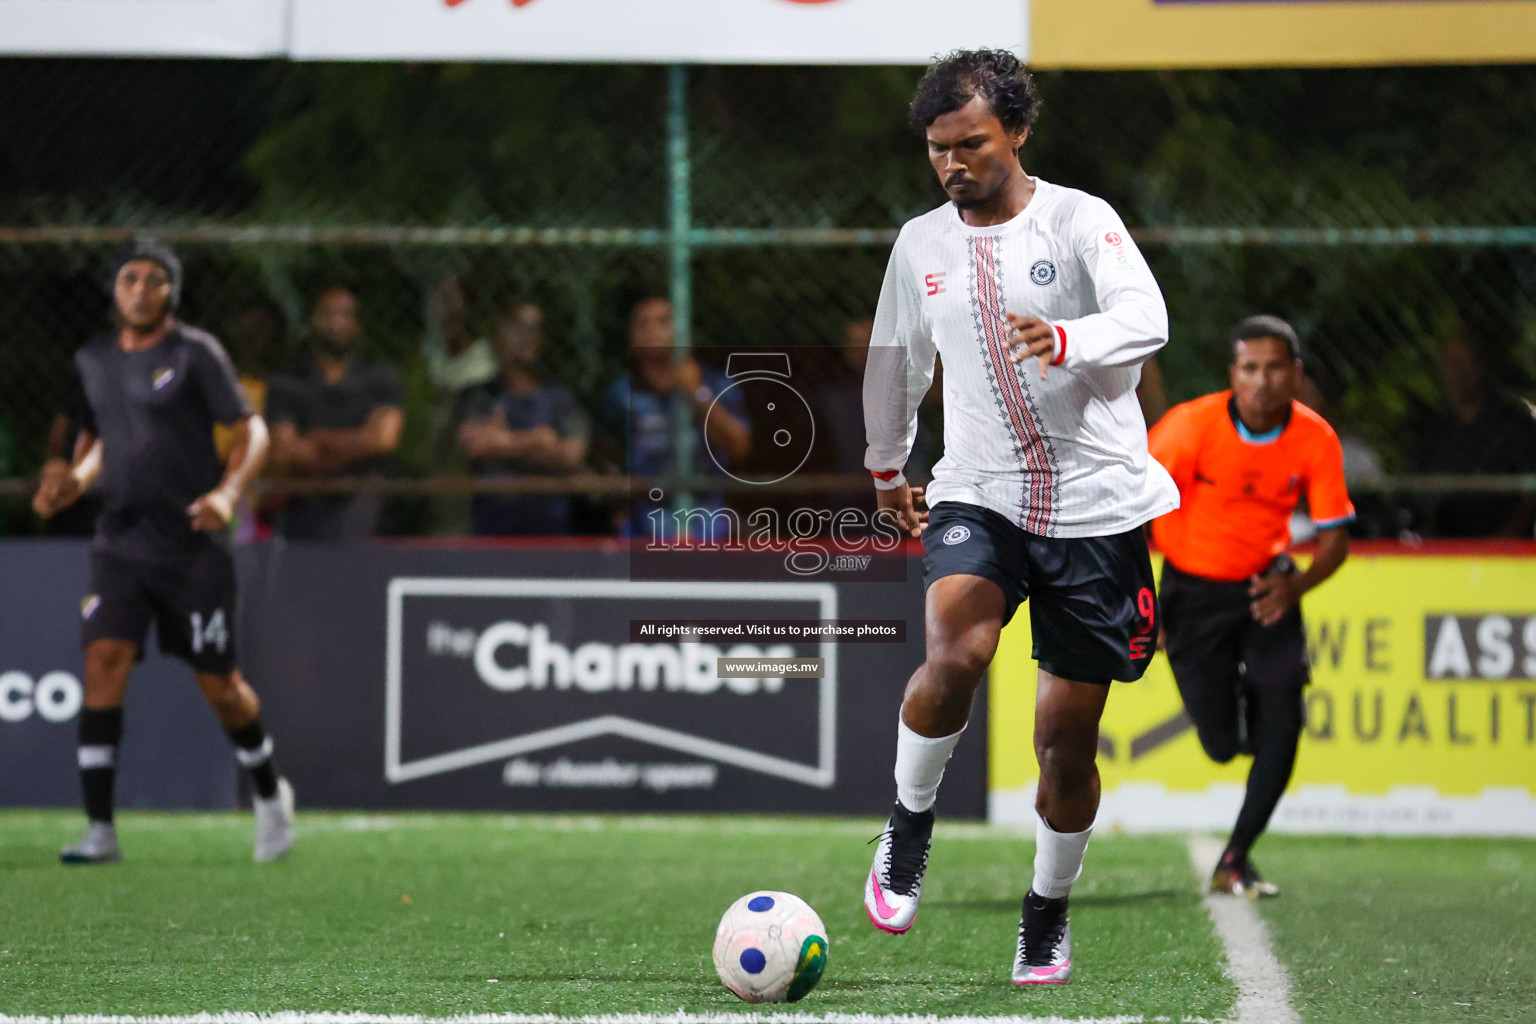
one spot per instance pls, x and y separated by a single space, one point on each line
1043 311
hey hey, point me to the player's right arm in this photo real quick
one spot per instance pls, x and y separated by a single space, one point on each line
61 483
896 377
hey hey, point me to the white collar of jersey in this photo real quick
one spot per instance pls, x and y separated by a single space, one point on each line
1036 201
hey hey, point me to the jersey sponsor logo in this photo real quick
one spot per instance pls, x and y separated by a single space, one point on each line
88 605
163 378
935 283
957 535
1116 246
1043 272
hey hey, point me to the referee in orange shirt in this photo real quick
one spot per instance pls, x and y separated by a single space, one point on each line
1243 459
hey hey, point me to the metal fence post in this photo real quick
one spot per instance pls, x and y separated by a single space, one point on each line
680 246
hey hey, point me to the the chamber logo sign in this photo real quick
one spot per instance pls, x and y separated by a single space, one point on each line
486 670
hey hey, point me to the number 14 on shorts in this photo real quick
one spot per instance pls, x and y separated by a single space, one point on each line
213 634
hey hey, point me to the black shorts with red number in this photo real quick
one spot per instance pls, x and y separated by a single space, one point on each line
190 601
1092 602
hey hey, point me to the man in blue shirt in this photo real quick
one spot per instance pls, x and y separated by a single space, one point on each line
640 409
517 425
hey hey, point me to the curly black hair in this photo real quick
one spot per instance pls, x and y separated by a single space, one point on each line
1264 326
958 77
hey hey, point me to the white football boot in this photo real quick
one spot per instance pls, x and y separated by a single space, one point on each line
895 882
1044 956
274 823
97 846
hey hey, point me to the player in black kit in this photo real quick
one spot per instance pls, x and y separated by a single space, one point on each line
154 389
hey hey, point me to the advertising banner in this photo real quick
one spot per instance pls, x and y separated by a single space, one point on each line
144 28
174 755
664 31
1301 33
1421 716
539 679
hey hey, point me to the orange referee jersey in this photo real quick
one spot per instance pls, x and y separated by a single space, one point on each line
1237 490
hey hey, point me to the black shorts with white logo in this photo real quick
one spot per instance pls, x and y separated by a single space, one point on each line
1092 601
191 603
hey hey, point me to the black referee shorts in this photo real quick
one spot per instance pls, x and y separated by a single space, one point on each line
191 603
1227 665
1092 607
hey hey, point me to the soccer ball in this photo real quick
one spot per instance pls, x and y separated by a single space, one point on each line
770 947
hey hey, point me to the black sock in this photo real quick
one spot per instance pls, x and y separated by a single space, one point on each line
253 749
1275 716
100 732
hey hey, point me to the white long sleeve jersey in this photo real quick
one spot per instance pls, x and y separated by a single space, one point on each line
1060 457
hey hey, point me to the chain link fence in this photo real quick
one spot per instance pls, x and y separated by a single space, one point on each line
1384 212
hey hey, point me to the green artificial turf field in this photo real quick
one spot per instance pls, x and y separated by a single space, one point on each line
589 915
1406 930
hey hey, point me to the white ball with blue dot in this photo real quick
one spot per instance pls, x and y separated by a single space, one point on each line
771 947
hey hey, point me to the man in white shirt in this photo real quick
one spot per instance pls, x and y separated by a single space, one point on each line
1043 311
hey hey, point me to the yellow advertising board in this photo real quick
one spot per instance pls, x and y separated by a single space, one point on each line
1421 717
1291 33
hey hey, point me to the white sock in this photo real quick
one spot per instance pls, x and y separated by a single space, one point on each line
1058 859
920 762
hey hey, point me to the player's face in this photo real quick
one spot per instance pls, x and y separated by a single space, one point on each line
142 293
972 154
1264 377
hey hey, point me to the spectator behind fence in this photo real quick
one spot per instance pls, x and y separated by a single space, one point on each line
1375 516
256 341
334 414
457 358
1479 429
639 409
517 425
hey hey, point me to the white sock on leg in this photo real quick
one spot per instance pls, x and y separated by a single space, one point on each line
1058 859
920 762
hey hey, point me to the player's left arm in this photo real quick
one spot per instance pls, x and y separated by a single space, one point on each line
1328 501
228 404
1274 595
247 454
1132 323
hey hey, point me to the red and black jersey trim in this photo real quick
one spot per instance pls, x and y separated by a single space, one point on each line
1011 390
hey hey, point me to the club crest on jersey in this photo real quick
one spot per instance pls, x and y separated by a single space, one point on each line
163 378
89 604
1043 272
957 535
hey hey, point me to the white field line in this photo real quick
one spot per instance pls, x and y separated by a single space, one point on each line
322 824
294 1017
1263 985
